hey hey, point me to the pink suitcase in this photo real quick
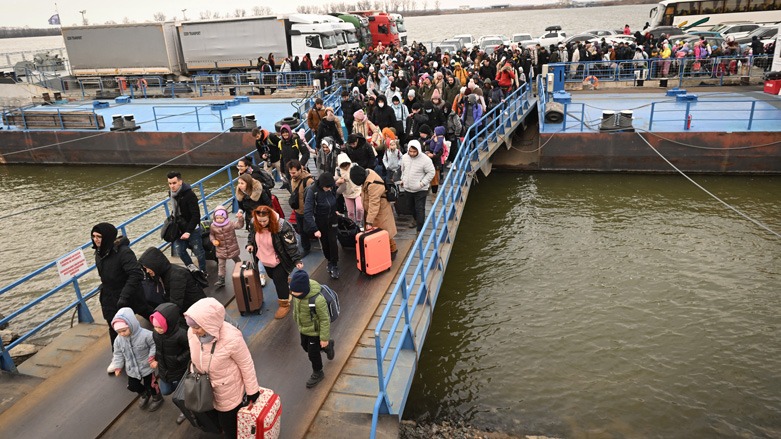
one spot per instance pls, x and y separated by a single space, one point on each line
372 251
261 418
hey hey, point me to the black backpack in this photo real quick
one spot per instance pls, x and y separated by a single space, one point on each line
391 190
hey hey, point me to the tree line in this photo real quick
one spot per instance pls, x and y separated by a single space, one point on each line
23 32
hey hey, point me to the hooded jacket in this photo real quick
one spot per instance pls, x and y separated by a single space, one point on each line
302 316
320 205
132 353
231 369
329 128
351 190
377 210
362 154
416 172
228 247
384 117
172 351
181 289
120 274
257 197
187 202
292 148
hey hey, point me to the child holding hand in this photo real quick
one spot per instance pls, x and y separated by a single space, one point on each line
223 235
132 350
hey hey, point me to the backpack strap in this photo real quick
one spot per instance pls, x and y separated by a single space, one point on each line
313 311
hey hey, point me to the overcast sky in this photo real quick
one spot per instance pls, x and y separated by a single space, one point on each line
35 13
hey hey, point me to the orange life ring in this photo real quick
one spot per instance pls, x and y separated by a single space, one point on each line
593 80
141 83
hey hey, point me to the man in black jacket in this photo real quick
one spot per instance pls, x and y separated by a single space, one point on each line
181 288
184 203
360 152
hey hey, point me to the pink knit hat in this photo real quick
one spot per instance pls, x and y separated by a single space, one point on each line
435 94
359 115
157 319
119 324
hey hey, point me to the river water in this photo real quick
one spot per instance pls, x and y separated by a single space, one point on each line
609 306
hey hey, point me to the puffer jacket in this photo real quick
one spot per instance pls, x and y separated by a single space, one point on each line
132 353
285 246
303 318
172 351
351 190
121 275
319 209
231 369
416 172
181 289
226 235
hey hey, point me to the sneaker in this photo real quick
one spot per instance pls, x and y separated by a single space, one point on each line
330 268
315 379
143 401
181 418
329 351
220 282
110 369
155 403
334 272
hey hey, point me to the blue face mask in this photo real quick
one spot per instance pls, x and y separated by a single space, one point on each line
206 339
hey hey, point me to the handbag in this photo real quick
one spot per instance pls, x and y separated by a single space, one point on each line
198 392
173 228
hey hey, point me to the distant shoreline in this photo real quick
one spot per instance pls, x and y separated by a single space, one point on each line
523 8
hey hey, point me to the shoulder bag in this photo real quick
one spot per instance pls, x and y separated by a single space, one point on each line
198 392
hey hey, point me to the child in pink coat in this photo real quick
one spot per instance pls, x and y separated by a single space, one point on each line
223 235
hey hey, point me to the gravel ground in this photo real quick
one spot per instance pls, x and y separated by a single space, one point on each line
448 430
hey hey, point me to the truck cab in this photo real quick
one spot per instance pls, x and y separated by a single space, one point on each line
400 27
383 29
346 33
308 34
361 25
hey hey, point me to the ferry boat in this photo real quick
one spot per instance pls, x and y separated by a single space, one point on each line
702 14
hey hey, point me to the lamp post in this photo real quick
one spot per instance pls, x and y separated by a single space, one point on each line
83 20
184 17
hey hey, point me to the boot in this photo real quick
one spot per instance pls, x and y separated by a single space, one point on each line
314 379
283 310
220 282
329 351
143 401
157 401
334 272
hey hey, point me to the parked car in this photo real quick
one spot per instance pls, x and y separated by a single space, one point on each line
706 33
736 29
602 32
666 30
447 48
489 44
552 35
466 40
453 42
691 39
578 38
505 40
523 40
763 33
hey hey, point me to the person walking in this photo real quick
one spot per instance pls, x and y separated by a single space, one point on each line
172 352
185 204
350 191
132 349
219 349
274 245
223 235
300 179
320 219
314 327
180 286
378 211
417 171
120 276
315 115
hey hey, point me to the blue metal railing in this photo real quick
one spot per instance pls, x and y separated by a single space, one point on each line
414 280
151 219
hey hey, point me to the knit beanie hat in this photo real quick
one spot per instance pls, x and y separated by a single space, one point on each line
221 211
326 179
425 129
157 319
119 324
357 175
299 282
359 115
435 94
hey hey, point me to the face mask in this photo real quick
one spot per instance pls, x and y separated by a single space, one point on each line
380 105
206 339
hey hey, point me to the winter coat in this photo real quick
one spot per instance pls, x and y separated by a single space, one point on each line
366 128
132 353
450 93
121 275
327 162
258 197
392 159
187 202
351 190
292 148
181 288
414 122
172 351
416 172
377 210
295 186
285 246
319 209
231 369
384 117
228 247
362 154
329 128
401 113
302 316
314 117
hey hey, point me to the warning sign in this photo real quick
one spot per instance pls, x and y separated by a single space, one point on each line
71 264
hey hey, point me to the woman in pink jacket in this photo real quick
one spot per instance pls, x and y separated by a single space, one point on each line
229 365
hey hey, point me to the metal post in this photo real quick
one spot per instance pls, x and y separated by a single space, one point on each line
59 116
154 114
751 116
651 119
83 311
564 120
197 119
6 363
203 199
686 117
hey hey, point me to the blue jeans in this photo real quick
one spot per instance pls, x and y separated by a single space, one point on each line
195 242
167 388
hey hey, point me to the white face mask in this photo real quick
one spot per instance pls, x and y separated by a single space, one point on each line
380 105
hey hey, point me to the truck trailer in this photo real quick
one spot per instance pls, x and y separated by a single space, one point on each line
123 49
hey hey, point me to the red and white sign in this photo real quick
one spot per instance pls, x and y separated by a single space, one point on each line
71 264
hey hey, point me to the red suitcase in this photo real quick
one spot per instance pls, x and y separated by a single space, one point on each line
247 288
372 251
261 418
